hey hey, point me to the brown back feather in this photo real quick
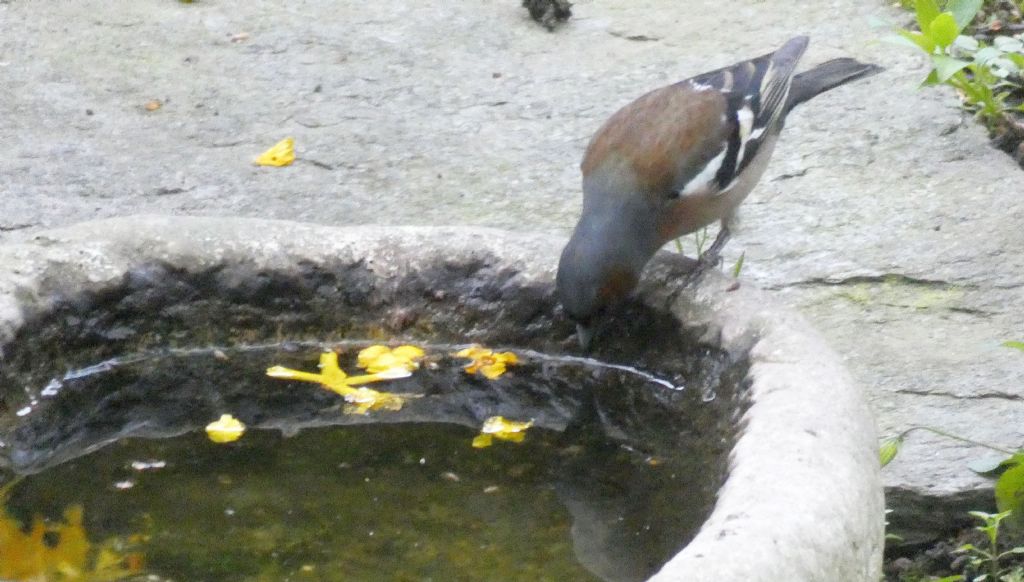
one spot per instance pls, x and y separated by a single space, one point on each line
657 135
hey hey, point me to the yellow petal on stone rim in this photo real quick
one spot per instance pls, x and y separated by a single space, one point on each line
487 362
378 358
359 400
280 154
363 400
226 429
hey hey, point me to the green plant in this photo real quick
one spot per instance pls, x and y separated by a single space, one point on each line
1009 489
988 562
985 76
738 267
988 6
700 238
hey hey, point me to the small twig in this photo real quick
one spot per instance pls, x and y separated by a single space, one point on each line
939 432
985 33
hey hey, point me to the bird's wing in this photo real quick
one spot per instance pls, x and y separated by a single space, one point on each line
658 139
696 135
755 94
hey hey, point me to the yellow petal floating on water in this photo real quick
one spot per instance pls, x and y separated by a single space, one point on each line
281 154
499 427
377 359
225 430
487 362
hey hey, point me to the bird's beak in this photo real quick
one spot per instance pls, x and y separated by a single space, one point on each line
584 335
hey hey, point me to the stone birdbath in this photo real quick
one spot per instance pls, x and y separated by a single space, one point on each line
777 446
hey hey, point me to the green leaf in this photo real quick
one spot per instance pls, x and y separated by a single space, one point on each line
739 265
1008 44
943 30
964 11
967 43
1001 69
986 54
989 464
946 67
1014 345
919 40
953 578
888 450
926 11
1010 494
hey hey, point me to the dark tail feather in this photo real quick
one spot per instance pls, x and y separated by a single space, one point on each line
825 76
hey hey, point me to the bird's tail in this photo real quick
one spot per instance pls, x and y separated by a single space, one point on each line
826 76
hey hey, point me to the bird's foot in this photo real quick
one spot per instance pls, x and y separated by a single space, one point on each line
711 258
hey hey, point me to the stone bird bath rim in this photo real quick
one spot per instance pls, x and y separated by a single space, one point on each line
803 498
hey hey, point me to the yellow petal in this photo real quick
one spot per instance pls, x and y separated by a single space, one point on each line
378 377
393 373
331 376
493 371
482 441
363 400
500 427
281 154
380 358
225 430
501 424
512 437
485 361
473 352
360 400
408 352
289 374
368 355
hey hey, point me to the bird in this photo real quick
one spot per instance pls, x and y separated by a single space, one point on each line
675 160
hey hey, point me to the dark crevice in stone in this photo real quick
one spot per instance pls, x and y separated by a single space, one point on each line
889 278
920 518
985 396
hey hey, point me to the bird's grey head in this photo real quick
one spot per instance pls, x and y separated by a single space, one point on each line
601 264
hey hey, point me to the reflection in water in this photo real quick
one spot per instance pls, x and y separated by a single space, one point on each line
59 549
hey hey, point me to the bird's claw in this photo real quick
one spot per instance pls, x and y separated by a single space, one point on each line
709 260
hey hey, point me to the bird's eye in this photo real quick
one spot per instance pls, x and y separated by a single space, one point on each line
672 195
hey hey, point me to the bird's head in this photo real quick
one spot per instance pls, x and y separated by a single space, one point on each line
600 266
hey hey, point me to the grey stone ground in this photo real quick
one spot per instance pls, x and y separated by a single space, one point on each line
884 216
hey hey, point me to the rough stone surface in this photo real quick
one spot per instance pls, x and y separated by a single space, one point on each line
803 499
884 216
